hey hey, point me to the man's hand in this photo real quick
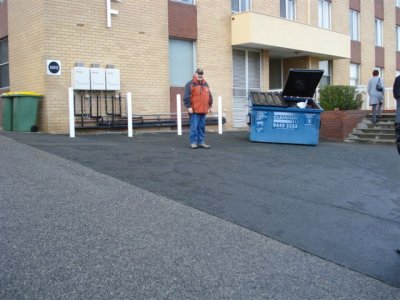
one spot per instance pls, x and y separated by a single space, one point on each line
190 110
210 110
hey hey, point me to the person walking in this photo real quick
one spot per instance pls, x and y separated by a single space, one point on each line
376 90
396 95
198 101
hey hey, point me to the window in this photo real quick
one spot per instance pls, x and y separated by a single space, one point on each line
181 62
288 9
326 77
378 32
398 38
354 74
354 25
324 14
241 5
186 1
380 71
398 3
4 74
246 78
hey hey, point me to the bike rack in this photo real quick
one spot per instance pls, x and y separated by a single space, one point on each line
109 113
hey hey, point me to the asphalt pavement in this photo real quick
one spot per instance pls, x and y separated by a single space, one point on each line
107 216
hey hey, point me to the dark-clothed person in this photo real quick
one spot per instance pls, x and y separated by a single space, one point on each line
396 95
376 96
198 101
397 131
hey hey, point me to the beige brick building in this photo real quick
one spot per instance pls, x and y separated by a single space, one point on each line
156 45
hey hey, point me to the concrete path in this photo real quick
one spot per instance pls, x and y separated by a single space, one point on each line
68 231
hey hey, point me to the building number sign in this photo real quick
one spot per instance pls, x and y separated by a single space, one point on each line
111 11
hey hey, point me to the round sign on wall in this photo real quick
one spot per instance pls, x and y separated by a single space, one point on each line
53 67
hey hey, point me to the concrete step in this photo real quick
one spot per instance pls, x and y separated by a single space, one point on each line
384 114
367 124
382 132
374 130
369 141
381 125
374 136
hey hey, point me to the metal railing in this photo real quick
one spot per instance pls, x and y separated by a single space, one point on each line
389 101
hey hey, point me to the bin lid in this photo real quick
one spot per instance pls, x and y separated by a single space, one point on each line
21 94
302 82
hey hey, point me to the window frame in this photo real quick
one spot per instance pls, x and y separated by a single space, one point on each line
355 79
5 64
192 2
185 79
240 92
354 16
288 9
398 38
381 71
378 32
249 4
327 72
323 20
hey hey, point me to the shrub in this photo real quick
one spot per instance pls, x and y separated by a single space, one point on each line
343 97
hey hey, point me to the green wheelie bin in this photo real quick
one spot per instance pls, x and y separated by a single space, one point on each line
25 110
7 112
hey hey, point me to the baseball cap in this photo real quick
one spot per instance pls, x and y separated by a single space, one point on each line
199 71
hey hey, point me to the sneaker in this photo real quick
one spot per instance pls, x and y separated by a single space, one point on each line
193 146
204 146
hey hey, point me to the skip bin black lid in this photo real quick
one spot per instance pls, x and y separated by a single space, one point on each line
302 82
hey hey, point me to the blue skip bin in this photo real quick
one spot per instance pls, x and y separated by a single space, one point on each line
290 117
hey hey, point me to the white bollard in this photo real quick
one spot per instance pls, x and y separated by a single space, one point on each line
129 113
219 114
179 113
71 112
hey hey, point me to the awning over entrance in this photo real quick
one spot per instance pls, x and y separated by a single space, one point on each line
286 38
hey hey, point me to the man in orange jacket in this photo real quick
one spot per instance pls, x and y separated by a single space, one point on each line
198 101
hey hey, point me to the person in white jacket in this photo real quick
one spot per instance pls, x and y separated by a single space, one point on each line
376 89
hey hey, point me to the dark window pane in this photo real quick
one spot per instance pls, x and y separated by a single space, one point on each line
4 77
3 51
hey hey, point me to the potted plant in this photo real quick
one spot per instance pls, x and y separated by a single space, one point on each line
341 113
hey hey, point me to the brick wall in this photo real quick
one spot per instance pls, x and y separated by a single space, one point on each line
214 50
390 42
337 125
370 58
3 20
182 20
137 43
25 44
173 92
268 7
397 15
73 31
3 34
355 52
367 35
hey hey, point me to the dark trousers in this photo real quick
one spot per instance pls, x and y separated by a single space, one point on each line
376 111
